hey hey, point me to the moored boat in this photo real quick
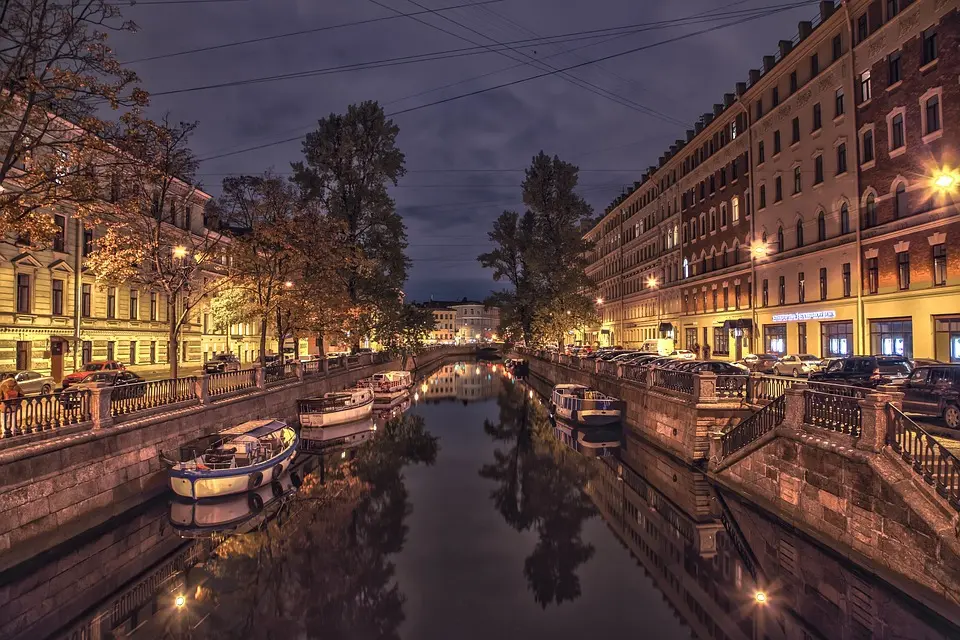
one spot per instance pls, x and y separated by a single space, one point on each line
585 406
388 385
236 460
338 407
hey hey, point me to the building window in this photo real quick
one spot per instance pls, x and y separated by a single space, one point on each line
836 338
782 290
775 95
777 189
838 104
891 337
87 242
900 206
153 352
817 117
896 132
736 296
903 270
23 355
153 306
794 84
765 293
801 337
846 279
817 169
760 155
892 8
814 65
801 288
867 140
797 180
56 299
870 215
726 297
763 196
721 341
134 304
893 66
865 92
929 46
939 265
735 210
85 301
873 275
111 304
714 298
133 352
932 111
795 131
844 218
23 293
60 237
837 48
713 221
823 283
841 158
862 30
799 233
775 338
111 350
776 142
781 243
759 109
86 353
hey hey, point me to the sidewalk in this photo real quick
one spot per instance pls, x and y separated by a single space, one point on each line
162 371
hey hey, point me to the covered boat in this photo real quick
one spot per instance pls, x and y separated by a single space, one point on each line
388 385
236 460
337 407
585 406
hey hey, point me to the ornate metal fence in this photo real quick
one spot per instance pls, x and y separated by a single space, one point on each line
764 420
608 369
128 398
935 464
637 374
34 414
767 388
277 373
732 386
834 412
312 368
679 381
232 381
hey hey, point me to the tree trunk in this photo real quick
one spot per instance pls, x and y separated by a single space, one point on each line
173 351
263 341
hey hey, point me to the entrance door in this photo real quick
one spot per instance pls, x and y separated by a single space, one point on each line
738 341
56 359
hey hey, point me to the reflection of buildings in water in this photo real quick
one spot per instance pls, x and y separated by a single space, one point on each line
461 381
671 520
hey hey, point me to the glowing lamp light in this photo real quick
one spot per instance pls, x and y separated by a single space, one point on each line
760 597
531 394
652 282
179 252
180 601
343 454
599 300
416 397
288 284
946 180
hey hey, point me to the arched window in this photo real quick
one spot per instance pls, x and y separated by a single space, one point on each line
799 233
870 216
735 210
686 268
781 245
844 218
723 215
900 206
822 226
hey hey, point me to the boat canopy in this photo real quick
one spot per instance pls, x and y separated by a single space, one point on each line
254 428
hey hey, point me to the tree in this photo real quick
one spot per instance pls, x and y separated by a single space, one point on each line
57 74
157 236
230 306
404 329
542 254
348 162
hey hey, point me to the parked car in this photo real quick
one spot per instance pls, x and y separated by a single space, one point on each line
865 371
89 369
797 365
682 354
934 391
640 359
110 378
925 362
718 367
33 382
222 362
760 362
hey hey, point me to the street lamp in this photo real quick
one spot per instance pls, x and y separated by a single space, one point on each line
599 300
288 284
758 251
946 181
179 252
653 283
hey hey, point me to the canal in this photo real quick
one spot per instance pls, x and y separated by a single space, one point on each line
466 514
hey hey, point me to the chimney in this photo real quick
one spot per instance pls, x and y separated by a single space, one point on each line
697 126
805 28
768 63
826 9
717 109
728 99
707 118
660 161
785 47
666 157
691 133
680 143
673 148
741 88
754 76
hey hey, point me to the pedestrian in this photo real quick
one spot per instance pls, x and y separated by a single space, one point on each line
706 352
10 394
696 350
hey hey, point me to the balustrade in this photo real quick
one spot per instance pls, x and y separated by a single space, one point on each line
679 381
232 381
751 429
45 412
932 461
129 398
833 412
732 386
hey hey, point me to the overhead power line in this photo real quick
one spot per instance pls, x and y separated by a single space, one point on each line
290 34
502 85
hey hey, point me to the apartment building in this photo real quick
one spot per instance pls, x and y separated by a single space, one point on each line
444 318
816 202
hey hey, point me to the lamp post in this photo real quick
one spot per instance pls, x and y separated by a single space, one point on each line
652 283
758 250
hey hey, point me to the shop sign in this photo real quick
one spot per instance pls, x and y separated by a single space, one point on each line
806 315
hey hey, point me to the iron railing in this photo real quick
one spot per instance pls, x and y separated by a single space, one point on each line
35 414
679 381
605 368
767 388
279 372
637 374
231 381
833 388
833 412
936 465
129 398
732 386
312 368
752 428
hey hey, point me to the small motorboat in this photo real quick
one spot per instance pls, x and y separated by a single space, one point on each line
233 461
318 440
585 406
337 407
388 385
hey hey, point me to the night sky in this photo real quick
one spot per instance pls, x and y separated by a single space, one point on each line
464 157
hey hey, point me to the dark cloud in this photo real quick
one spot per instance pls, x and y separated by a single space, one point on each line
448 213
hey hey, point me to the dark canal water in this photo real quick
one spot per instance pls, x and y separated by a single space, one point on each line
468 516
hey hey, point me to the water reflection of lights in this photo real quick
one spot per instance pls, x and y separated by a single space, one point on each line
416 397
180 601
760 597
531 394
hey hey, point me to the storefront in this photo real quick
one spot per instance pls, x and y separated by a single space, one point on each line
947 338
775 339
836 339
892 337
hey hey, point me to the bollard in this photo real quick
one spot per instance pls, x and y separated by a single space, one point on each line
201 387
705 387
261 377
298 370
793 406
100 412
873 422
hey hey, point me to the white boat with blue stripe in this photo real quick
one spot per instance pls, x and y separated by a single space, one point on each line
233 461
582 405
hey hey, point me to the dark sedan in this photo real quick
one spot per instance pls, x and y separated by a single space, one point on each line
865 371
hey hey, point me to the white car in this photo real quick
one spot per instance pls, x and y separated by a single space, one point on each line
797 365
33 382
683 354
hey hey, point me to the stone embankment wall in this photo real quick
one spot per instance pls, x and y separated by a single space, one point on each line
54 489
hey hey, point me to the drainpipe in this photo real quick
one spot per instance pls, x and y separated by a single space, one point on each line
861 328
77 292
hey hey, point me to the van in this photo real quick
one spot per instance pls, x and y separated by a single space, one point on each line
659 346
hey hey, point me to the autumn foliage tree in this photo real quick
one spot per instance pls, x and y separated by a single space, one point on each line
57 75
